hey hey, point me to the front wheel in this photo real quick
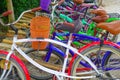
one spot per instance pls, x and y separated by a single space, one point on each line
106 59
17 72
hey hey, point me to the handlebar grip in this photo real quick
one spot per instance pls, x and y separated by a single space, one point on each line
36 9
84 22
66 18
61 1
7 13
62 34
68 24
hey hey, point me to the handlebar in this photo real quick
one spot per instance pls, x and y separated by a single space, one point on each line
6 13
11 25
36 9
9 12
60 2
54 7
67 18
57 3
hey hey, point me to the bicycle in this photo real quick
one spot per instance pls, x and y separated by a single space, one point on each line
47 58
79 6
62 72
91 30
47 53
111 65
51 47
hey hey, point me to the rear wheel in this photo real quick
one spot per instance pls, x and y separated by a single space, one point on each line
39 55
17 72
106 58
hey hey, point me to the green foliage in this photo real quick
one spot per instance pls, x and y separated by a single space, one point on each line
22 5
3 6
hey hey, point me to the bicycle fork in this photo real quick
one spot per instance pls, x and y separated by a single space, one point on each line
5 72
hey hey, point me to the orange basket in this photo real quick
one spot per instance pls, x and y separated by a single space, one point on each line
40 28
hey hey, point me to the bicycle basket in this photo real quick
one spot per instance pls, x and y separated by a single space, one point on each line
40 28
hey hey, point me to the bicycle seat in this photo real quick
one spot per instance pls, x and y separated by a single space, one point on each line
70 27
101 15
99 19
78 1
98 12
112 27
87 5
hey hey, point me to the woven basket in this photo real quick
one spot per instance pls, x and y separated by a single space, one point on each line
40 28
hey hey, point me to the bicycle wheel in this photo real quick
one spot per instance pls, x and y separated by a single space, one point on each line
54 59
106 58
17 72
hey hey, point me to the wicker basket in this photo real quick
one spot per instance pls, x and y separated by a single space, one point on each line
40 28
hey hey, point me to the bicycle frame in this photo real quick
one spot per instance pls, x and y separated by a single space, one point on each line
51 47
57 73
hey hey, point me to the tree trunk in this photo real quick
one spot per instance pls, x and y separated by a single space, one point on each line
10 7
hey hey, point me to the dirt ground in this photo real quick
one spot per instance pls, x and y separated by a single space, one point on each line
112 6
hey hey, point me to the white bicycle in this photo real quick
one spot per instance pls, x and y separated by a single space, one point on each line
12 67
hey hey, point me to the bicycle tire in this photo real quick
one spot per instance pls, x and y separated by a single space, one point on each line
19 72
92 50
39 74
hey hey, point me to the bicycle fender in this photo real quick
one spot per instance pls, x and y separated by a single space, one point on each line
20 63
87 46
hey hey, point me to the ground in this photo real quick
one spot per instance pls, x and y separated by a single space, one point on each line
112 6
